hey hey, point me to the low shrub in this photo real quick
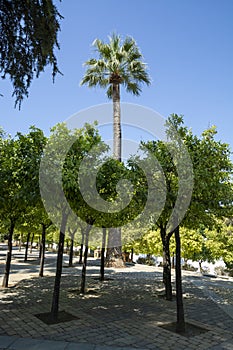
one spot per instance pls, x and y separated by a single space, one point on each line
220 271
146 261
188 267
229 272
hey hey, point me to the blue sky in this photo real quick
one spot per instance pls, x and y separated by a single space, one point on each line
187 44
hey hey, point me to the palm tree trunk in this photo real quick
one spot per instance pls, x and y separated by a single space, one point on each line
56 291
8 256
114 252
116 121
180 324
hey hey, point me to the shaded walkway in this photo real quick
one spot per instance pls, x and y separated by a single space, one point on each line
123 312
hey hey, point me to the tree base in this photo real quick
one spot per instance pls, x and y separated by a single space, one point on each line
63 316
191 330
115 262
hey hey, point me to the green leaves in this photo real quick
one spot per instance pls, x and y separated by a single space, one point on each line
119 62
28 37
19 167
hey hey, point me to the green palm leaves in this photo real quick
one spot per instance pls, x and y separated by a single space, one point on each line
118 62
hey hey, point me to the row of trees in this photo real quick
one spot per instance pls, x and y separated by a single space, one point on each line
22 208
118 64
199 245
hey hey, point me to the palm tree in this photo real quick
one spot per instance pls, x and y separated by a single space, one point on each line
119 63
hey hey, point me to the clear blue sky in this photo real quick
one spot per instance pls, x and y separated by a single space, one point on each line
187 44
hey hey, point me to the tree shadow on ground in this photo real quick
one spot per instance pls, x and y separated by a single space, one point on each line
127 297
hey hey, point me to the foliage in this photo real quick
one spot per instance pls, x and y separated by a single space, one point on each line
28 37
223 242
118 62
149 260
19 164
213 191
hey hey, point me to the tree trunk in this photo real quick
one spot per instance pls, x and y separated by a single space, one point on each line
102 255
131 255
8 257
71 252
200 267
81 249
180 325
39 247
20 243
83 277
42 250
116 121
81 254
31 243
166 264
114 253
173 261
26 250
56 291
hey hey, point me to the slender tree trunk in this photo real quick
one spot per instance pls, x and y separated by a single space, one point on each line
180 325
81 248
26 250
20 243
102 254
83 277
31 243
173 261
200 267
8 257
56 291
132 255
42 254
39 247
166 264
71 252
81 254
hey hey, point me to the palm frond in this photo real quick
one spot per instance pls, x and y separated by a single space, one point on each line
121 59
133 88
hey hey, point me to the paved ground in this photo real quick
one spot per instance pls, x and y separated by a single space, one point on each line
123 313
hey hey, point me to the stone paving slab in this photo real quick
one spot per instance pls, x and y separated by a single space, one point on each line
123 313
6 341
14 343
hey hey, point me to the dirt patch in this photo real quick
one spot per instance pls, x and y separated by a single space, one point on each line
63 316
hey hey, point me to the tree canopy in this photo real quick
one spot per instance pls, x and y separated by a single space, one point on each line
28 39
119 62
